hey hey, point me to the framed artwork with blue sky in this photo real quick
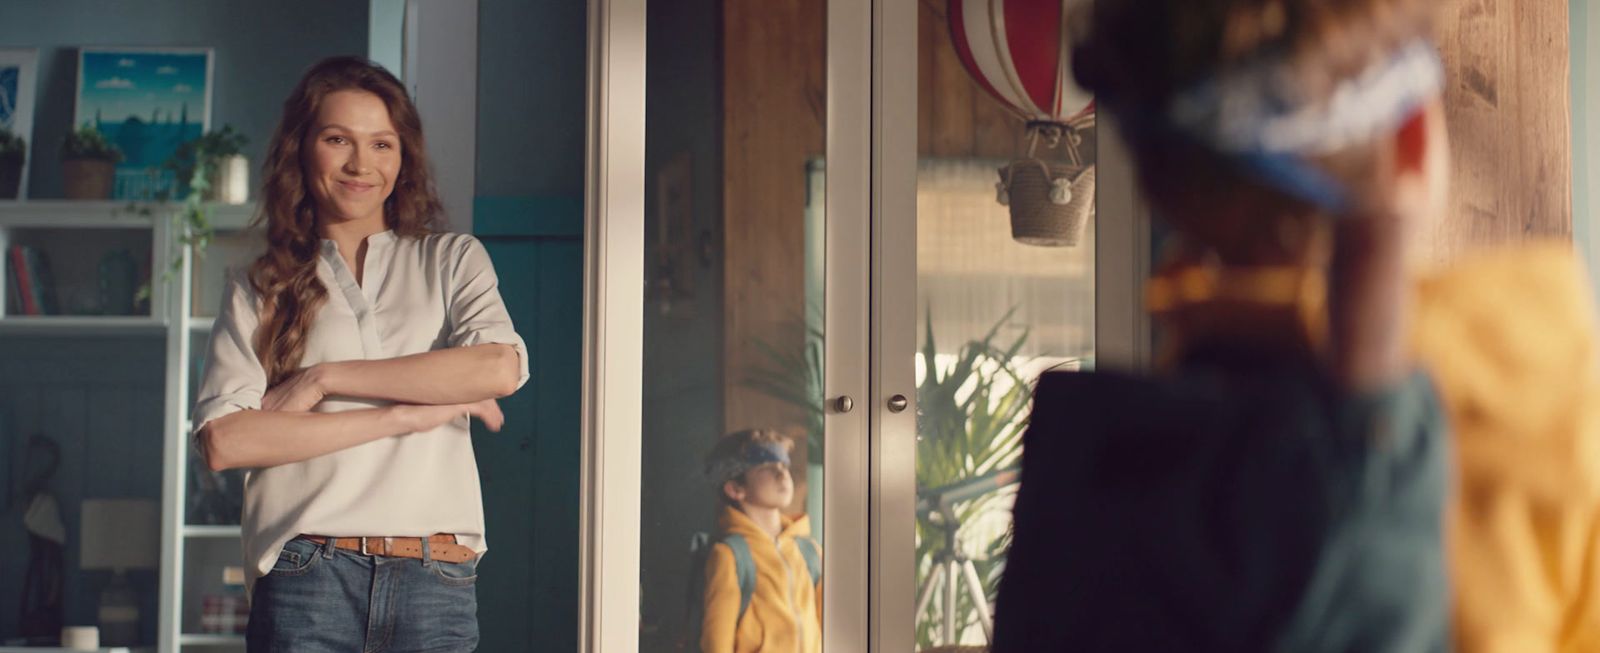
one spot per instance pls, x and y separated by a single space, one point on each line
148 102
17 70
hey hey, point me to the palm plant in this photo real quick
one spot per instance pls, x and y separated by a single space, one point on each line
970 417
792 373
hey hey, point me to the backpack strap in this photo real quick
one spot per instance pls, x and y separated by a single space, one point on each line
744 567
808 550
694 604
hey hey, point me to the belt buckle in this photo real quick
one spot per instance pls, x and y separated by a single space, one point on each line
364 550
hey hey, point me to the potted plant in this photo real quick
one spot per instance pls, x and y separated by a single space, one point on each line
214 165
972 409
88 164
792 373
13 154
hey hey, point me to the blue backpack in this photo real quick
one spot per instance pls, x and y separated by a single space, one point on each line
744 567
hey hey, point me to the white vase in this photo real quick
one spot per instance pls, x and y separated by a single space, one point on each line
230 180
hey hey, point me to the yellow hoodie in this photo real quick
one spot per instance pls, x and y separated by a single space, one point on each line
1510 340
785 613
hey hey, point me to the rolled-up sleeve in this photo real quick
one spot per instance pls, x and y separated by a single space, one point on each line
234 379
477 313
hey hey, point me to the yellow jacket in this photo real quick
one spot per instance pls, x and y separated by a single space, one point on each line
1510 339
785 613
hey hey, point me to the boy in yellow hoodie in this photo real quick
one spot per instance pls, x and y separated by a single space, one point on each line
763 589
1345 451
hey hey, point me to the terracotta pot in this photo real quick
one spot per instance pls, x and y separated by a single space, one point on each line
88 179
10 179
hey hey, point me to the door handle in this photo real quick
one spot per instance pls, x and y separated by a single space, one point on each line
843 404
898 403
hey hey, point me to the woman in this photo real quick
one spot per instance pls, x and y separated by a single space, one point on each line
1284 484
343 370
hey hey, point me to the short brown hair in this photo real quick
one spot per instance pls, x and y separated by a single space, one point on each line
730 449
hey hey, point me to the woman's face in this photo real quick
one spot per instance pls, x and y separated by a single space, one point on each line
351 157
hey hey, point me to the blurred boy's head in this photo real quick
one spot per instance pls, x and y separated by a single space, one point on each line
751 469
1251 122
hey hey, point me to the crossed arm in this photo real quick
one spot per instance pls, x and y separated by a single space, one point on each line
429 389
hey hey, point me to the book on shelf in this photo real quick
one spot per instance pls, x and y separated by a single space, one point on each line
14 304
31 282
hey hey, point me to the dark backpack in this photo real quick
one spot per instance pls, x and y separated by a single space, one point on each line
744 567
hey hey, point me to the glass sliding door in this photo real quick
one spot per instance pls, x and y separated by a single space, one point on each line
753 246
1008 238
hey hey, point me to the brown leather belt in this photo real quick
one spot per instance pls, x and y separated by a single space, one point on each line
441 547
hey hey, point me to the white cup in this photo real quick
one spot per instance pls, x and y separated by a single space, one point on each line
81 638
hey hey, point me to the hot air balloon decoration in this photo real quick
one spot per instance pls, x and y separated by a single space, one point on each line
1019 51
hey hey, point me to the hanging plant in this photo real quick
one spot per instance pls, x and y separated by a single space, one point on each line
793 374
195 163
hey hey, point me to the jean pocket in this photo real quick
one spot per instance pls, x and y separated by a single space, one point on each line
297 557
456 574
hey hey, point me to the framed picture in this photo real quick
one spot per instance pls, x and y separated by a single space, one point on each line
18 68
146 101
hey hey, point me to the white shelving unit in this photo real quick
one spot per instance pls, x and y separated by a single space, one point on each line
192 531
184 545
32 221
55 225
212 640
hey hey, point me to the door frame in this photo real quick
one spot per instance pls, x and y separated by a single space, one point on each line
870 313
613 328
614 325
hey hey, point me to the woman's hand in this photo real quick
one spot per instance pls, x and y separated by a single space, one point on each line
299 393
425 417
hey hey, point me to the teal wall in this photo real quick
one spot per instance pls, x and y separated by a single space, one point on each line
528 583
531 72
529 213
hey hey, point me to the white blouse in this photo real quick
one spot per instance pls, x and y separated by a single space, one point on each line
421 294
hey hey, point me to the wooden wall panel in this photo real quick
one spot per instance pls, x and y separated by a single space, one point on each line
956 117
1509 113
774 104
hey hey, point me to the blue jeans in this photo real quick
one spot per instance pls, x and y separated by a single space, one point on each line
321 599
